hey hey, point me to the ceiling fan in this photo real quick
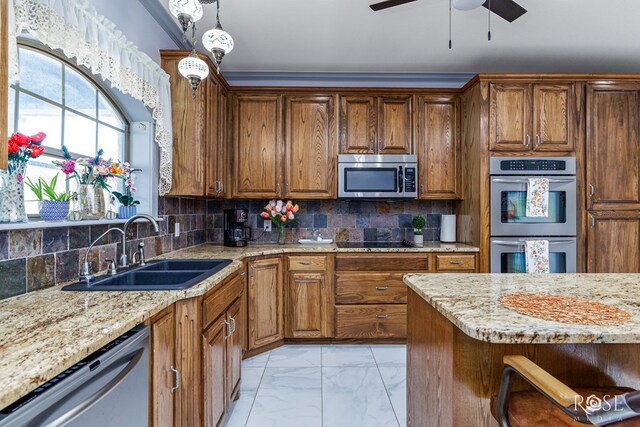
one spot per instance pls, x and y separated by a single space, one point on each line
507 9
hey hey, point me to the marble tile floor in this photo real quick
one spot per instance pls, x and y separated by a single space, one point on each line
323 386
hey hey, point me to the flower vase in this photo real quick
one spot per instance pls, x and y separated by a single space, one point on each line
92 205
54 210
12 194
126 212
281 229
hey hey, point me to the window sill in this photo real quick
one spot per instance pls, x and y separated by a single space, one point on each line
35 223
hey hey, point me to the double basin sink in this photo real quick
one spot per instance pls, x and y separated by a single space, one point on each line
155 276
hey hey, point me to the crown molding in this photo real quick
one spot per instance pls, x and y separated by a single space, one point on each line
166 21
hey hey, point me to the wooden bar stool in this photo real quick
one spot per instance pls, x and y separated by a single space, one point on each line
554 404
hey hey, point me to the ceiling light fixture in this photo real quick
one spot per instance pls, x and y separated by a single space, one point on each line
192 67
187 12
218 41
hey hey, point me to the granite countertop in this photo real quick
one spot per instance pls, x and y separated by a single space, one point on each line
43 333
471 302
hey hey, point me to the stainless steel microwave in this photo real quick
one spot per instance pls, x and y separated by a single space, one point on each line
370 176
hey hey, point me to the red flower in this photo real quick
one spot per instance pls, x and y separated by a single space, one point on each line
36 151
38 138
20 139
13 147
264 215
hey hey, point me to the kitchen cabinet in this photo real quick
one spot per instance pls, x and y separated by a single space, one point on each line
376 124
613 242
265 301
4 80
438 148
531 117
163 377
613 146
214 358
199 131
257 146
310 145
309 292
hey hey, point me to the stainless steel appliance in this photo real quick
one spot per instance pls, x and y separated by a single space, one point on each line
236 233
108 388
510 227
369 176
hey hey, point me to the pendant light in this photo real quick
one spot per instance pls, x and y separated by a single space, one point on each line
192 67
217 41
187 12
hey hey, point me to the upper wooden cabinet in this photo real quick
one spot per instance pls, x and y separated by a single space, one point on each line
310 147
613 147
199 131
613 242
265 301
376 124
531 117
257 146
438 148
4 79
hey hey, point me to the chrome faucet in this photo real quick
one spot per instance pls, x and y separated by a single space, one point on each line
124 259
85 273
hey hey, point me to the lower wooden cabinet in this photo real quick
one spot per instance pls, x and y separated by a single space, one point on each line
163 377
613 242
214 361
265 301
371 321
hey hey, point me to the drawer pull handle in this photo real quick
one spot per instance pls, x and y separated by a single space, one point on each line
456 262
382 288
381 316
305 263
176 382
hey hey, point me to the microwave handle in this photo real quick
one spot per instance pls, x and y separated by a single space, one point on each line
521 242
526 181
400 179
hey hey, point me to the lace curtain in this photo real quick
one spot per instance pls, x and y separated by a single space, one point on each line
74 27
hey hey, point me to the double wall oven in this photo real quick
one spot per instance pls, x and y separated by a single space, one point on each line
511 228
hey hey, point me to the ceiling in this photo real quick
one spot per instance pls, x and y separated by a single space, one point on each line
347 36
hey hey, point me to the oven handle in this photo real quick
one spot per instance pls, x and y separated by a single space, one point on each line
526 181
521 242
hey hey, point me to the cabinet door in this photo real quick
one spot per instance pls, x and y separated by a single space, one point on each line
394 125
305 305
188 329
613 149
552 117
266 316
214 378
614 242
358 125
310 147
509 117
234 348
257 146
438 148
163 379
212 157
188 118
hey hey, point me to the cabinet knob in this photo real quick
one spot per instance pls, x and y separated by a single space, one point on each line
381 316
455 262
381 288
592 190
176 383
528 141
227 330
538 140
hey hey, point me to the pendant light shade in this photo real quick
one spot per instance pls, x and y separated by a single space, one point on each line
187 11
218 42
467 4
193 69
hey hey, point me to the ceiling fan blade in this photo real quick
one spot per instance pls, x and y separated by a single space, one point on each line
507 9
389 3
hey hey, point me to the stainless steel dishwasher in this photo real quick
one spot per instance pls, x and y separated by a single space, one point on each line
108 388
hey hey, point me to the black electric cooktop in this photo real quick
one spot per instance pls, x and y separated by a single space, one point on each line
372 245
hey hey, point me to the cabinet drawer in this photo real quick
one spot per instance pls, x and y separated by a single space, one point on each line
371 321
455 262
370 288
301 263
382 262
220 299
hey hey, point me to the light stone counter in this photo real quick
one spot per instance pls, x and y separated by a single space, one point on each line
43 333
470 302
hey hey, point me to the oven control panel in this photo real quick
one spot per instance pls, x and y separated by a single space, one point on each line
532 166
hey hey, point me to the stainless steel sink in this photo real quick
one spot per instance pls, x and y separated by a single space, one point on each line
155 276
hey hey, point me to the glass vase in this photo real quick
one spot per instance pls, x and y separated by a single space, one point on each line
281 229
92 205
12 194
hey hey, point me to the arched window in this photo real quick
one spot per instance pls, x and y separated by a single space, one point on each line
59 99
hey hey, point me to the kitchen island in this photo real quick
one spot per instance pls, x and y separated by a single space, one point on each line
459 328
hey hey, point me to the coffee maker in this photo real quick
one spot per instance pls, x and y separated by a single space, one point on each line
235 232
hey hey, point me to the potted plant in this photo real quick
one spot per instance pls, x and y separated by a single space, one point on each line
124 171
418 224
54 206
280 214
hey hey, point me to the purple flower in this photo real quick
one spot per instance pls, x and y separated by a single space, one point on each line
19 177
